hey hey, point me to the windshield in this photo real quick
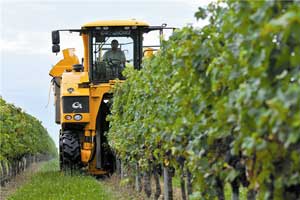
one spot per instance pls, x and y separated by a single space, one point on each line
110 57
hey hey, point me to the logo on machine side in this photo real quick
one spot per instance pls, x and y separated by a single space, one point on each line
77 105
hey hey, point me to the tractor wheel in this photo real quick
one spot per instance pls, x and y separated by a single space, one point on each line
69 154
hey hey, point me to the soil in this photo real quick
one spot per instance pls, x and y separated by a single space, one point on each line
122 191
128 192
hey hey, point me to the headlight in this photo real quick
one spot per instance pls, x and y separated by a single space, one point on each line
68 117
77 117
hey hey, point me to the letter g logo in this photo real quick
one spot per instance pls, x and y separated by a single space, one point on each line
76 105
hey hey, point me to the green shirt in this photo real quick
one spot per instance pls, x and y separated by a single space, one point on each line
116 56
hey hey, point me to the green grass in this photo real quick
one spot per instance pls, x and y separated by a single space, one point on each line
176 181
50 184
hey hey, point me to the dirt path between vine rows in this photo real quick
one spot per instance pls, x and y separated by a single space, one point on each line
125 192
19 180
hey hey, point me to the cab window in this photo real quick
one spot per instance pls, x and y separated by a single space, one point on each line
110 56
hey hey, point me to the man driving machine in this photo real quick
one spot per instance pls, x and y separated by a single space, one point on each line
115 55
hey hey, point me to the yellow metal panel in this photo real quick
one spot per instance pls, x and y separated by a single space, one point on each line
86 151
75 77
65 64
96 95
116 23
85 155
77 91
71 80
85 39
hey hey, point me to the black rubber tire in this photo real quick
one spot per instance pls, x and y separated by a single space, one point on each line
69 152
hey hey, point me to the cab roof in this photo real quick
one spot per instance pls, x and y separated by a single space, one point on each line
115 23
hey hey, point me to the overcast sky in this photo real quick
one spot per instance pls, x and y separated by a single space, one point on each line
25 41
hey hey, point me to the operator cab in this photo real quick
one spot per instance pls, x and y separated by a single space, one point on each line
98 37
107 63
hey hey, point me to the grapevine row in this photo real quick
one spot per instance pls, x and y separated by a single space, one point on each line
23 140
221 102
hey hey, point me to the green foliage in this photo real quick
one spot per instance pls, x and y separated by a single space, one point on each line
22 134
232 86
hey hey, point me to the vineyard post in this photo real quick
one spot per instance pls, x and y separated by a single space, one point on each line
3 174
220 188
23 163
235 189
189 182
18 162
271 187
26 161
182 181
9 171
251 194
157 182
168 190
118 167
14 168
122 174
182 186
138 186
147 182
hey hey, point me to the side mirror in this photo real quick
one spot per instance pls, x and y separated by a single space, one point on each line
55 37
55 42
55 48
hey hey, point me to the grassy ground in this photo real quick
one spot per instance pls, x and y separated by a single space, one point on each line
20 179
51 184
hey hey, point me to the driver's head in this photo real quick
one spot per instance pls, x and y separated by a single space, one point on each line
114 45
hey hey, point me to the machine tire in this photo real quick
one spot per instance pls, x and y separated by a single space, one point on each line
69 152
